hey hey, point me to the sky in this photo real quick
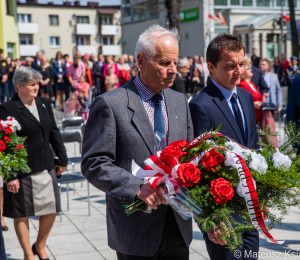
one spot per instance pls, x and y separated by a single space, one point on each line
83 2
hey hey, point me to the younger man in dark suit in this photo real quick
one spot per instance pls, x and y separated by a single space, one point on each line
221 102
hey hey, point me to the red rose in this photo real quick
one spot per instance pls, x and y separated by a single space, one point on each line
221 190
8 130
173 150
181 144
19 146
169 152
10 140
2 146
211 160
188 174
6 138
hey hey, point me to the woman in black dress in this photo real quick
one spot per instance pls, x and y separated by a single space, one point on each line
45 82
35 193
197 81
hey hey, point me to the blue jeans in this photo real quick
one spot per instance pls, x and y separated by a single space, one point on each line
3 90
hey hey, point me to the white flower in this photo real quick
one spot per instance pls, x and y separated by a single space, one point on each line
14 123
212 143
234 147
229 161
280 159
239 188
258 163
245 154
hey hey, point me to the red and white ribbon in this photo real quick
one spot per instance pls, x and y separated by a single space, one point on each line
156 172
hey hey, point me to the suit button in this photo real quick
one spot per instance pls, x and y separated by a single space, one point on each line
43 151
42 139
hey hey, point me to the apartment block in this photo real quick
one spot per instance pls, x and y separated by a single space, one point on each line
68 28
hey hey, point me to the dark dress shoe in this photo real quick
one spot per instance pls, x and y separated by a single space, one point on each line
36 253
4 228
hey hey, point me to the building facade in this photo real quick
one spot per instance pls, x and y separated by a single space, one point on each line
256 22
196 29
68 28
9 40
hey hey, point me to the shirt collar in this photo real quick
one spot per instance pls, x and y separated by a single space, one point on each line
226 92
179 74
145 93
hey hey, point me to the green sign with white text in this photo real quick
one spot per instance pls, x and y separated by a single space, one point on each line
189 15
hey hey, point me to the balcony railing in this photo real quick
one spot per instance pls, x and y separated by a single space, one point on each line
110 29
87 49
85 29
28 28
111 50
28 50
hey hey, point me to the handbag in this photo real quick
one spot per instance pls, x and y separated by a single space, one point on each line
267 107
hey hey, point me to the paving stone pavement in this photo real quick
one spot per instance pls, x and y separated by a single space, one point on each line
83 237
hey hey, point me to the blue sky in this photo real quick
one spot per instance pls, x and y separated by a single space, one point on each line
83 2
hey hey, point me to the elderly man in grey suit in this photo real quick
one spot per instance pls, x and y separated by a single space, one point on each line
121 128
271 79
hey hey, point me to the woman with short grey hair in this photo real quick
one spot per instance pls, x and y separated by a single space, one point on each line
36 193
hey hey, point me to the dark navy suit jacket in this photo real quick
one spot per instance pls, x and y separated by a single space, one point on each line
209 109
293 105
258 80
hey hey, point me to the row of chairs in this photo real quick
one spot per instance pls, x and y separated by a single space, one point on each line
73 136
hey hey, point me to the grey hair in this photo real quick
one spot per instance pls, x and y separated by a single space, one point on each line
28 58
23 74
147 40
182 62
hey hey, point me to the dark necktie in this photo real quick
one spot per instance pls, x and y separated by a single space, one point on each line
159 122
238 115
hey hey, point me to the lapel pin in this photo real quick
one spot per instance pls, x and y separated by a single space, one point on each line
176 117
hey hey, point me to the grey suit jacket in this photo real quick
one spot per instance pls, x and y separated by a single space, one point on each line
119 130
275 90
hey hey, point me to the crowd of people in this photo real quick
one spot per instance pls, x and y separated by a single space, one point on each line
215 92
73 85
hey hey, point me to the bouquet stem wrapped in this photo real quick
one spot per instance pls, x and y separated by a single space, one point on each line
213 178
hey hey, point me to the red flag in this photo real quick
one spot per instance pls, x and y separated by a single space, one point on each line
211 16
286 18
220 16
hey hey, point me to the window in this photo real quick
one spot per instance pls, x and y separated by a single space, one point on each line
53 20
54 42
82 19
10 50
295 3
247 2
126 10
152 9
9 7
278 2
220 2
139 12
26 40
83 40
107 40
263 3
234 2
107 20
24 18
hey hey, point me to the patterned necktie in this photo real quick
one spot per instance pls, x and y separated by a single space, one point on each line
238 114
159 122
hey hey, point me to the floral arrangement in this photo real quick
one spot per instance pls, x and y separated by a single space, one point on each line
13 155
214 177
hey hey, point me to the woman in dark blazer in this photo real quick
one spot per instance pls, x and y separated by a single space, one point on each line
59 71
36 193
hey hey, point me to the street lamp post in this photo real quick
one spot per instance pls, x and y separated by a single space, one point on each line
281 27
